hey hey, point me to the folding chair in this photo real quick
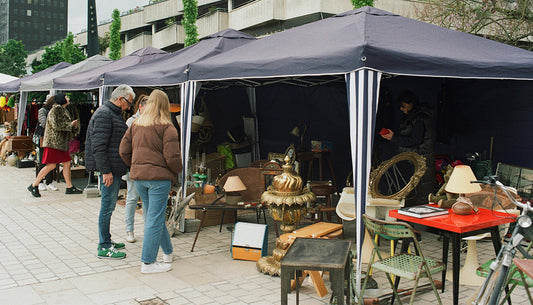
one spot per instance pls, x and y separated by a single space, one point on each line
404 265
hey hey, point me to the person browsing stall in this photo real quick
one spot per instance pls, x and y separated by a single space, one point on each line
102 142
60 129
151 148
132 196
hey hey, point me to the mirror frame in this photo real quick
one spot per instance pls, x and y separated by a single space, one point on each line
417 160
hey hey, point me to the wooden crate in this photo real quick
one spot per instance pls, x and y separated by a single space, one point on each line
19 143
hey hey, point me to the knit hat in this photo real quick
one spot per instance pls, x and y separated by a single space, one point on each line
60 99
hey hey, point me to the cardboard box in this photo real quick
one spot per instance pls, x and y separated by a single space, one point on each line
212 218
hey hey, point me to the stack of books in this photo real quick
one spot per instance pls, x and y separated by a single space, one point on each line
422 211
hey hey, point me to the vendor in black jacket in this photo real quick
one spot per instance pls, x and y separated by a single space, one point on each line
104 133
416 134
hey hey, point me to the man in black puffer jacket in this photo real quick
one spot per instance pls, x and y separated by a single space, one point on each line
104 133
416 134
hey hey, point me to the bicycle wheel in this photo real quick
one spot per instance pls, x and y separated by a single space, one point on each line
500 281
484 298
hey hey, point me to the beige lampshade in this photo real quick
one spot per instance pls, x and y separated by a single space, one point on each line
234 184
459 182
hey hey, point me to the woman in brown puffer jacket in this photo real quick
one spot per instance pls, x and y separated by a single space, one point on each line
151 148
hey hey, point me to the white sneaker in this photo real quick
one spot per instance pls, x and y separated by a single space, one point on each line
52 187
155 267
42 187
130 237
167 258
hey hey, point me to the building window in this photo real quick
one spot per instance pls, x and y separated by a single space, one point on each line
28 12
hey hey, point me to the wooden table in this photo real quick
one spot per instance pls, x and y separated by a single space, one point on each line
456 227
317 254
257 207
525 266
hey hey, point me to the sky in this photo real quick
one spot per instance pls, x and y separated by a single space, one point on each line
77 11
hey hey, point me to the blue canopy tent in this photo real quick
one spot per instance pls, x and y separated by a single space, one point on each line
171 70
361 46
96 78
45 82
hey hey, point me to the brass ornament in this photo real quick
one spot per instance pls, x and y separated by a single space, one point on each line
287 202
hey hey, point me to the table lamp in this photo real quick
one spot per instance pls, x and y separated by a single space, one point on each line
460 183
233 187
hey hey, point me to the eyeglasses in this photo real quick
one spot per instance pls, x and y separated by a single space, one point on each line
127 101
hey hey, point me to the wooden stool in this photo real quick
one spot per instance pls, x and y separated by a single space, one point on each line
317 254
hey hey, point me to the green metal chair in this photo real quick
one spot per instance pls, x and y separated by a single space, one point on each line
404 265
515 278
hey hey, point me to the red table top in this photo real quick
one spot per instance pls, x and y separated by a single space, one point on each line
459 223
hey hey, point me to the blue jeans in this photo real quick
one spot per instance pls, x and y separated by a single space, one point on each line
131 205
107 206
154 195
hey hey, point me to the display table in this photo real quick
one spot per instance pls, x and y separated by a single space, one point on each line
456 227
253 206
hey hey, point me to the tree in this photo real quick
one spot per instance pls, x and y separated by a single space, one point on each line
360 3
190 13
115 44
68 47
13 58
507 21
61 51
104 42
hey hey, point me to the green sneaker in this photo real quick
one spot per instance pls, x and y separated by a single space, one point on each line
118 245
111 253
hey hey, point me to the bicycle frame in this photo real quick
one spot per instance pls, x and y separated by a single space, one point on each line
498 276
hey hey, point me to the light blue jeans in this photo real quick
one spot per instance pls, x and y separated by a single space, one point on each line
154 195
107 206
131 205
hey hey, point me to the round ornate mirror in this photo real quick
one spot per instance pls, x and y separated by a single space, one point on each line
397 177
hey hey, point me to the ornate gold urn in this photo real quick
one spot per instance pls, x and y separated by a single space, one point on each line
287 202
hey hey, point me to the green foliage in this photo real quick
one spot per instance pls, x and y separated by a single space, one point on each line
360 3
68 47
190 14
104 42
13 58
510 22
115 44
64 50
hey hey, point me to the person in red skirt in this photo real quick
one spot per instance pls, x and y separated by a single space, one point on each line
60 128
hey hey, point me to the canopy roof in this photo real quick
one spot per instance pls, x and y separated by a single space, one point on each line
4 78
172 69
95 78
368 38
44 83
14 86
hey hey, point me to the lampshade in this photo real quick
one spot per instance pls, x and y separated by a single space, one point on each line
234 184
459 182
295 131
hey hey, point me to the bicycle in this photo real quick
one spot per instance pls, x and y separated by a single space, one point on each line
490 293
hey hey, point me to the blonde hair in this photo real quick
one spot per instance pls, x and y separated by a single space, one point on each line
156 111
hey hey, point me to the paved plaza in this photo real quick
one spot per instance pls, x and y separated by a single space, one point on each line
48 256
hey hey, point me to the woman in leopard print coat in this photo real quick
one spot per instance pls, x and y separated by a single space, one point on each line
60 129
